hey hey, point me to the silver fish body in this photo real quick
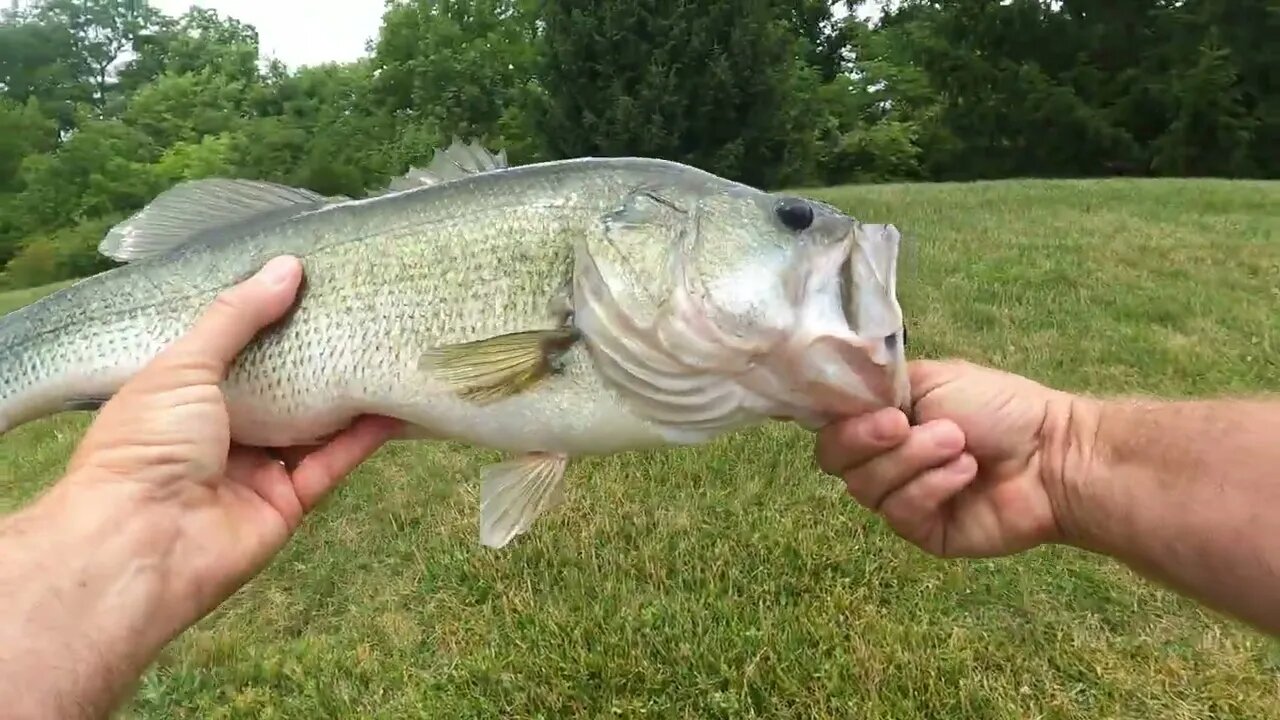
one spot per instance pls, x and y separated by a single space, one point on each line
554 310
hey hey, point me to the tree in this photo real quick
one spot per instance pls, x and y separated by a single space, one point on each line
716 84
454 67
101 31
105 103
199 41
24 131
37 62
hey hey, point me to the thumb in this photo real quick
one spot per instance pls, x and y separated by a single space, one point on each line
240 313
928 375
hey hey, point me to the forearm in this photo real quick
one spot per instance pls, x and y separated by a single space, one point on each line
84 584
1187 493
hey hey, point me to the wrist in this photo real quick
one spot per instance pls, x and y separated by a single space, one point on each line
1073 470
87 582
132 536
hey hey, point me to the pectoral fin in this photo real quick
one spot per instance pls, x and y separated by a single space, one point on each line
515 493
501 366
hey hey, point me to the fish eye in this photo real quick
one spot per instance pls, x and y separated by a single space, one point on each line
795 214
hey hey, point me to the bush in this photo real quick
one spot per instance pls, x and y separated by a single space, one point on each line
65 254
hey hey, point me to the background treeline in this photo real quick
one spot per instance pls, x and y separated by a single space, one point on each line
104 103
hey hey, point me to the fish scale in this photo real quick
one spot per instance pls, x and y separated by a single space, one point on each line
553 310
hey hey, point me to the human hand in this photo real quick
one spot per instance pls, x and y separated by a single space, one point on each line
974 478
165 438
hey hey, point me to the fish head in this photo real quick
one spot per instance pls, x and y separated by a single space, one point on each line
717 308
810 295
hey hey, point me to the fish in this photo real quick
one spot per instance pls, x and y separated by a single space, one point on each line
549 311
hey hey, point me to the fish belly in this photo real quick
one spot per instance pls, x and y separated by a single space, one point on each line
571 413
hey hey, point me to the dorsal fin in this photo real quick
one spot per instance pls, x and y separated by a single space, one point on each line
455 162
190 209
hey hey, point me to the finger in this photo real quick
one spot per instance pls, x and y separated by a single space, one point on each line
292 457
928 446
244 461
240 313
915 511
322 470
262 474
851 442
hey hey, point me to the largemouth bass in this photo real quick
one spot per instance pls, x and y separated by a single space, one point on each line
552 310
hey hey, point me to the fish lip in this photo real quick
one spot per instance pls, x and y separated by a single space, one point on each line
899 385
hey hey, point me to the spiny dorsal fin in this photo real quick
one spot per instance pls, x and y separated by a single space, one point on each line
190 209
455 162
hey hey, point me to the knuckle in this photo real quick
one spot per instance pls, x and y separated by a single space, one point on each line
826 460
902 509
860 490
227 302
840 446
881 483
181 368
826 448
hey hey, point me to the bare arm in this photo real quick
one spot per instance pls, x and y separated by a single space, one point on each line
88 598
1186 493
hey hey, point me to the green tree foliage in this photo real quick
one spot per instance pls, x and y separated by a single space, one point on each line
456 67
200 40
105 103
91 36
716 83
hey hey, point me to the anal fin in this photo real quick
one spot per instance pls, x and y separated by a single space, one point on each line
513 494
500 366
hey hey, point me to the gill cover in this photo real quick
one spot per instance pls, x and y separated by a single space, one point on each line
646 321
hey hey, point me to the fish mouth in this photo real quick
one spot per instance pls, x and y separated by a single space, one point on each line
849 347
843 355
893 344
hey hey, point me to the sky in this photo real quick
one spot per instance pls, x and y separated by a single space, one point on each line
299 32
302 32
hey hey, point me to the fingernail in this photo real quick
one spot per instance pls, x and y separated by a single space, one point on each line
963 465
279 271
887 427
946 436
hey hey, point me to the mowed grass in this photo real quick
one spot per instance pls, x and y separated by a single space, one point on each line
734 580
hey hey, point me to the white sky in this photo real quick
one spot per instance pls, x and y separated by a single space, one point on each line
303 32
299 32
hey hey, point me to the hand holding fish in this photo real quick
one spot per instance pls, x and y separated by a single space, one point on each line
160 516
1184 492
166 435
973 479
550 311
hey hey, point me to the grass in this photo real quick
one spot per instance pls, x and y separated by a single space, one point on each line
735 580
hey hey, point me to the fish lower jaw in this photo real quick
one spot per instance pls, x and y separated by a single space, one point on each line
815 377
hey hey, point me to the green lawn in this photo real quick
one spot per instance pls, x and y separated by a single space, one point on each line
735 580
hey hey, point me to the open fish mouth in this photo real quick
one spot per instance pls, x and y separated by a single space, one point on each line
869 288
891 345
846 353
